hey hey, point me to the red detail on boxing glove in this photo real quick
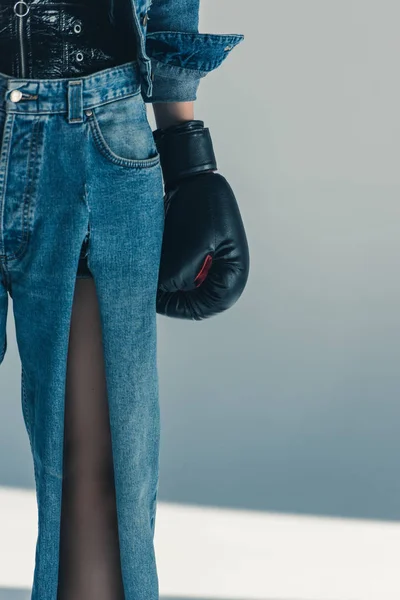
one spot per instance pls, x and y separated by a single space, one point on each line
204 270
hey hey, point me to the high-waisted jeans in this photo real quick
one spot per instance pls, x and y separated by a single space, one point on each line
78 161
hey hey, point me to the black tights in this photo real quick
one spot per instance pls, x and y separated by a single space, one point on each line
89 546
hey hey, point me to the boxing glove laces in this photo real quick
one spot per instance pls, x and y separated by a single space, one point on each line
204 263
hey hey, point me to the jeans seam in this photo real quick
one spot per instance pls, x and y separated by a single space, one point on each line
6 152
28 193
25 404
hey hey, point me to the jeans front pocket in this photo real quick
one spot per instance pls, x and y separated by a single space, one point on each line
122 133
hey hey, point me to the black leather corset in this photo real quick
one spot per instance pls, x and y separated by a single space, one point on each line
42 39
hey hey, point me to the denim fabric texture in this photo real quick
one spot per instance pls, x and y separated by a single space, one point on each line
78 156
173 55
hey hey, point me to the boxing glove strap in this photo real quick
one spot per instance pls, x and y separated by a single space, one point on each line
185 149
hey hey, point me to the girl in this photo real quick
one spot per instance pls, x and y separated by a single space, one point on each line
91 249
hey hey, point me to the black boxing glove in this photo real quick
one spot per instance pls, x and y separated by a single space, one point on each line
204 263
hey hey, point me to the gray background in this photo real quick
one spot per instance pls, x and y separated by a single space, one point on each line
289 401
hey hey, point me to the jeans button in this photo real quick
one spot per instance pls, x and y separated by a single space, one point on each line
15 96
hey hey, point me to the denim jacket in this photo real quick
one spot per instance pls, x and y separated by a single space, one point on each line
173 56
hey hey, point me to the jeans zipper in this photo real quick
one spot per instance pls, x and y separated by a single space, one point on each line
21 15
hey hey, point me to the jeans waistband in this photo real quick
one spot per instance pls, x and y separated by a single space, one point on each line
70 95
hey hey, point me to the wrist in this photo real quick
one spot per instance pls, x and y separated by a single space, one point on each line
172 113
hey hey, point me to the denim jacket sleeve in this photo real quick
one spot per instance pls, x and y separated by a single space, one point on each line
180 55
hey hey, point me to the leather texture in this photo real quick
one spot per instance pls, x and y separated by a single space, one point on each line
43 39
191 142
205 262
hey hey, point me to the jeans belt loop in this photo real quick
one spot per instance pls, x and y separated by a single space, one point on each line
75 101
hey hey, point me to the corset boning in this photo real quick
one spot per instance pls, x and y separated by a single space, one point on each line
42 39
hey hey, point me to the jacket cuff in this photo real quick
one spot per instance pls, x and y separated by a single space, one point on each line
180 59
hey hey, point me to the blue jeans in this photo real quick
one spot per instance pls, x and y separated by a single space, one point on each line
78 162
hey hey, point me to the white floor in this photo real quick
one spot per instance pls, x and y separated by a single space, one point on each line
212 553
